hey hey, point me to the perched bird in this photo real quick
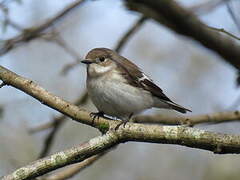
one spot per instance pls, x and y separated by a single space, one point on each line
119 88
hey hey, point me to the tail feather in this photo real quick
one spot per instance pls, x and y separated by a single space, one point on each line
168 104
177 107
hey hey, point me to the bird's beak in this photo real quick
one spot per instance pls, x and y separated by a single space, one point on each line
87 61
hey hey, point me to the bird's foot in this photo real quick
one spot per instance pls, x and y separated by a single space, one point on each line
124 122
96 115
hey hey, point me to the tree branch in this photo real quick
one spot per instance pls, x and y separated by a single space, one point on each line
63 158
34 90
216 142
145 133
69 172
34 32
189 120
186 23
190 137
81 100
56 124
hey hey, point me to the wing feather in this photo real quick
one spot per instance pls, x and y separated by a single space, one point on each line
137 78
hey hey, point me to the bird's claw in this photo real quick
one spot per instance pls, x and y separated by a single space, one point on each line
96 115
122 122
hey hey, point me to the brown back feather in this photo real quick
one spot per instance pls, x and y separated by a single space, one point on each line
133 74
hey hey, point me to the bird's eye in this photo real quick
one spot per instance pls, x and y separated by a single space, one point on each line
102 59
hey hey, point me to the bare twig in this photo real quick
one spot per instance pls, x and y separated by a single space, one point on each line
55 37
80 101
122 42
190 120
56 124
13 24
60 41
213 118
225 32
69 66
186 23
129 33
232 14
34 32
41 127
6 20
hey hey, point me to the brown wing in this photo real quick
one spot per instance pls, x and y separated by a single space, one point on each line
154 89
137 78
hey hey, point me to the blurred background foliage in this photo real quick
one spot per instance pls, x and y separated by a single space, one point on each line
188 73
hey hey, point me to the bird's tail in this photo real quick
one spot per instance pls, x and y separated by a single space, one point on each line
168 104
177 107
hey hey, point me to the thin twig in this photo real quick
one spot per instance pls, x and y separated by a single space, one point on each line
48 142
122 42
41 127
55 37
69 67
129 33
80 101
34 32
13 24
214 118
6 20
56 124
225 32
232 14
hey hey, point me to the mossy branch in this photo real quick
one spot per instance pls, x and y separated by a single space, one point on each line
181 135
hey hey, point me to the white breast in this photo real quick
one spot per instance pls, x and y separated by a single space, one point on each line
112 95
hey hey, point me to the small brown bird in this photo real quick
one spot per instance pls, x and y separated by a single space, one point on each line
119 88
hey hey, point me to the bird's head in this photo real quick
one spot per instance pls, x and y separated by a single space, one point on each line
100 61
